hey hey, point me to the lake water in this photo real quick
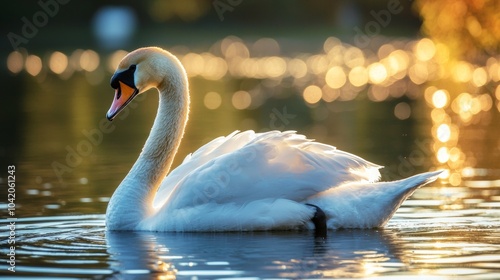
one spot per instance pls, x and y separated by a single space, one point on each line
69 160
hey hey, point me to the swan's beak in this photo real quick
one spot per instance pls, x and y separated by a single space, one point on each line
123 95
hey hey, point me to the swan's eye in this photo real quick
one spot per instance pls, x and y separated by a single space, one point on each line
125 76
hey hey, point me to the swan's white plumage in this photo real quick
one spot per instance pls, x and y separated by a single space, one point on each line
248 166
253 181
243 181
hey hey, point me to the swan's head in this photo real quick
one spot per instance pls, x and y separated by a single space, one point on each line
139 71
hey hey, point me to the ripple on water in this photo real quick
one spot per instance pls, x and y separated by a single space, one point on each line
422 239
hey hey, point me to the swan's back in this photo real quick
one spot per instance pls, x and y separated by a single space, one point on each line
247 166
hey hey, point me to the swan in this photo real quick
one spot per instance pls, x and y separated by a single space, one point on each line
244 181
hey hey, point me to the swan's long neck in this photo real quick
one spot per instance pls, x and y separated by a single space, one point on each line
133 199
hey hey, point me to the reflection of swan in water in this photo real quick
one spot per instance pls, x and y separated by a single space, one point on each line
349 253
245 181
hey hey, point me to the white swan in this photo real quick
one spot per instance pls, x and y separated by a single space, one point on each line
244 181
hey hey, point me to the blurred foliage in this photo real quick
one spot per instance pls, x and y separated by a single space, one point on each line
470 28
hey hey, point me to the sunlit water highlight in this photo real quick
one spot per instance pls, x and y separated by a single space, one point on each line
441 234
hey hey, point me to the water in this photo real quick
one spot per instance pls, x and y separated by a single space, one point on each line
440 244
69 160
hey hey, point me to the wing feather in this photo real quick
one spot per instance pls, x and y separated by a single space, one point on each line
247 166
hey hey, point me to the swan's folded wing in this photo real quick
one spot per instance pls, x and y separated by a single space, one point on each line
218 146
271 165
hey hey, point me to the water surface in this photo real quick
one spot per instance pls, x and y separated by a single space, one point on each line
69 160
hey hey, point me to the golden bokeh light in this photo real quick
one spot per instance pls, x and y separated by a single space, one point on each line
377 73
312 94
115 59
354 57
194 64
212 100
236 49
378 93
215 67
442 155
486 102
425 49
440 98
15 62
418 73
402 111
33 65
58 62
443 133
265 46
317 64
462 72
455 179
358 76
89 60
479 77
241 100
297 68
335 77
273 66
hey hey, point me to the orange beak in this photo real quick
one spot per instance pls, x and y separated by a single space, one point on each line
123 95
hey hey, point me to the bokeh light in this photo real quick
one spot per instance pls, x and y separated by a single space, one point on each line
58 62
89 60
33 65
440 98
212 100
15 62
312 94
335 77
241 100
402 111
377 73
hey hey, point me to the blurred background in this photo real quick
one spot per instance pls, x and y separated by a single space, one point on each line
412 85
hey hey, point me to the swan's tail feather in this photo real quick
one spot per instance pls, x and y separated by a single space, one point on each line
366 204
416 181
